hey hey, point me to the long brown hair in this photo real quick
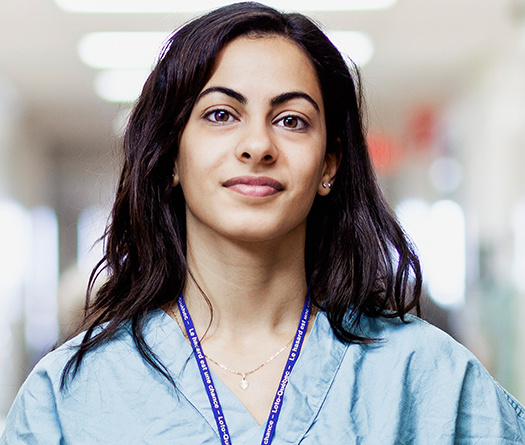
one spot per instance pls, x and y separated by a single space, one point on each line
358 259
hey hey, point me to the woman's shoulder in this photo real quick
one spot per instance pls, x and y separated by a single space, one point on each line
411 335
110 389
120 349
416 349
429 355
416 364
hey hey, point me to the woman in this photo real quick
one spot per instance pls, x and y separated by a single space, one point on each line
258 286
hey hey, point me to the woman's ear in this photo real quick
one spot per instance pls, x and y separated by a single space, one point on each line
331 164
175 175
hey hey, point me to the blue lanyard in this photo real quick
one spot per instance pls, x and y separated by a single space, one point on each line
210 387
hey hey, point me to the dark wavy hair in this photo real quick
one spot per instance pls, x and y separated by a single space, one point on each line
358 259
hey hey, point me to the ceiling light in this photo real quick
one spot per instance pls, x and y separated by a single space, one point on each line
170 6
122 50
120 86
127 58
139 50
354 45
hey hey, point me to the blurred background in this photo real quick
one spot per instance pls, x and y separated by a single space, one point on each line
445 86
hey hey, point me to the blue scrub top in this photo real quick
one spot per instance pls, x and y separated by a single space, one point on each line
415 386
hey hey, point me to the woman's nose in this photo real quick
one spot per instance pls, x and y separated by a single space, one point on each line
257 145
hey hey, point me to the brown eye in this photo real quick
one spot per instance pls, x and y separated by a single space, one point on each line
221 116
290 122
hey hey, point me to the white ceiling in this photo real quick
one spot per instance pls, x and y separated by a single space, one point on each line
426 51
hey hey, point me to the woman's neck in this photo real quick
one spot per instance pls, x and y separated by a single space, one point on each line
252 288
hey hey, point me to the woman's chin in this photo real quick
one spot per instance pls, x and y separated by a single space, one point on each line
260 234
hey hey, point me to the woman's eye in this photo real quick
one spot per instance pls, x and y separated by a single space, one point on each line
293 123
219 116
290 122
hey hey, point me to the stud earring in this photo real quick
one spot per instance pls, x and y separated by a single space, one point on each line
324 185
329 185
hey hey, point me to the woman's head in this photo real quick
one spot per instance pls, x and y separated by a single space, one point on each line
187 63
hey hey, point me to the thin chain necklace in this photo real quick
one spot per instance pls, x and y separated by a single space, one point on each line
244 382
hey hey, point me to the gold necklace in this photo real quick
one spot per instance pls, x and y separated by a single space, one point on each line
244 382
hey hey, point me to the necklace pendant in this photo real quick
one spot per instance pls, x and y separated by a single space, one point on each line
244 383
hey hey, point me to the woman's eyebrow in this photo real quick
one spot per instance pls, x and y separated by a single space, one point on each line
282 98
227 91
278 100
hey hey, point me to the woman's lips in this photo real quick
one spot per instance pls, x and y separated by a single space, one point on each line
255 186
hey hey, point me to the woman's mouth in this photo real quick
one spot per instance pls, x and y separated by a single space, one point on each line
254 186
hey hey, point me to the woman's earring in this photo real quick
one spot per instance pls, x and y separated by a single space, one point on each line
329 185
324 185
174 179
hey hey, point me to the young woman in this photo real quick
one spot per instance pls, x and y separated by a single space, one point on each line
258 285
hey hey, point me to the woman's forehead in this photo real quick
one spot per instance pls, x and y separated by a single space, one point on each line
265 65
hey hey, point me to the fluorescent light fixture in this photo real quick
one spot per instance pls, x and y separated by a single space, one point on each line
120 86
121 50
171 6
354 45
139 50
127 58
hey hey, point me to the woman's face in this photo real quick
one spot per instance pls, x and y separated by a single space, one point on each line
252 156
